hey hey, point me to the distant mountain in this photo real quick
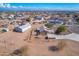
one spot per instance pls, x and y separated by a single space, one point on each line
29 9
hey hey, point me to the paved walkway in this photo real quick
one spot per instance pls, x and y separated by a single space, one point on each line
72 36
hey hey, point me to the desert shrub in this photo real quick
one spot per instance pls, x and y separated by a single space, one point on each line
28 19
20 52
53 48
61 29
49 25
61 44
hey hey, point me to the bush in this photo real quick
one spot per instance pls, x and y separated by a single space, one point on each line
61 29
61 44
20 52
53 48
49 25
28 19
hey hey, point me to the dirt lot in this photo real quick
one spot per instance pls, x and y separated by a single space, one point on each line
10 41
42 48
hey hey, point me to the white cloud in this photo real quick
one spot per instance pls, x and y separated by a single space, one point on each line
8 5
2 5
5 5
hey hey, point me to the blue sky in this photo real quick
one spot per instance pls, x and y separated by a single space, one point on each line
48 5
51 6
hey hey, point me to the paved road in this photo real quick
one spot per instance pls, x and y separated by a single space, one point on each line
73 29
72 36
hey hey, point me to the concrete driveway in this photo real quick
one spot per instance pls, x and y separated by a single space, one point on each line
72 36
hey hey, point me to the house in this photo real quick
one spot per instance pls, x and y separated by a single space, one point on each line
56 21
11 17
1 18
22 28
44 29
41 29
5 29
38 19
49 30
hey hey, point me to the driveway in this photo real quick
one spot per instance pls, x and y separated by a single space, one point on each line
72 36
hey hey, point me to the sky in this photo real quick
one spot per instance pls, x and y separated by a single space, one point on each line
41 6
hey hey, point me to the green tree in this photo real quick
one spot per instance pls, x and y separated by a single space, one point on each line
61 29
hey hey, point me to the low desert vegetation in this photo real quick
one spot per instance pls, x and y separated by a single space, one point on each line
61 29
49 25
61 44
28 19
20 52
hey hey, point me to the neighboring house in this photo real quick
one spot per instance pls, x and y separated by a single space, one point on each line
5 29
44 29
1 18
56 21
22 28
11 17
41 29
48 30
38 19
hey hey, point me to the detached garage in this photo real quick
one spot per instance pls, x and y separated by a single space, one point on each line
22 28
